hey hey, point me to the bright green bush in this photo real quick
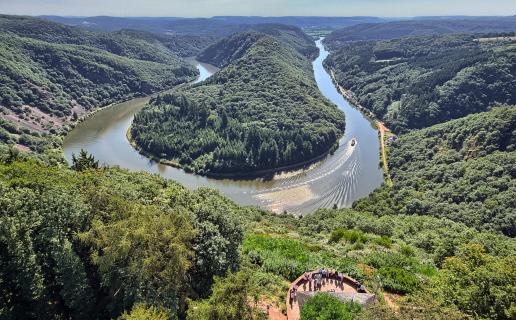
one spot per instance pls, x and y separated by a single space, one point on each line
398 280
383 241
286 257
323 306
144 312
352 236
336 235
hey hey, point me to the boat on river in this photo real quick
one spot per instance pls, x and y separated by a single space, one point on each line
353 142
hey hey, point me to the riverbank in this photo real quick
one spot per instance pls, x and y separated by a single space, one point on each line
70 126
336 179
383 138
382 129
264 174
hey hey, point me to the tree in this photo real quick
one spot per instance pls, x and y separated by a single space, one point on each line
84 161
479 284
219 234
143 254
230 300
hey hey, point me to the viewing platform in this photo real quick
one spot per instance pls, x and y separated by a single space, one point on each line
329 281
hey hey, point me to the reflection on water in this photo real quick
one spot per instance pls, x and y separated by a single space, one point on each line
349 174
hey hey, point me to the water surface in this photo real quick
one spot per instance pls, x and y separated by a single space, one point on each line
350 173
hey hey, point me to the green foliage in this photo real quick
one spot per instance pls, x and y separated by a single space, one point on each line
478 283
142 312
141 253
323 306
90 244
398 280
55 74
462 170
286 257
262 111
84 161
229 49
383 241
352 236
52 68
229 300
37 220
416 82
218 235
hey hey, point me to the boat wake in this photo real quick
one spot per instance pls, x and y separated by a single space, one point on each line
340 172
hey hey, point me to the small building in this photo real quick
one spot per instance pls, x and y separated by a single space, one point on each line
391 139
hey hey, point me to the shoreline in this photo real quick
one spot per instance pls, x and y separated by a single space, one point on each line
72 125
251 175
382 129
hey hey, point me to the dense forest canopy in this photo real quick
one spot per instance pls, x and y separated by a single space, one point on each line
128 43
463 170
415 82
51 73
234 47
108 243
423 26
90 245
262 111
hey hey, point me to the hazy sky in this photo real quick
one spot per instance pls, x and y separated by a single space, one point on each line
202 8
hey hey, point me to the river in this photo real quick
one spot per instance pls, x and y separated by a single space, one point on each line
350 173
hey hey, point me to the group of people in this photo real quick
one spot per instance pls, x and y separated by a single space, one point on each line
318 276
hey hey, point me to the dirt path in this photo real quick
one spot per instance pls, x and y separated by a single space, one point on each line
271 310
391 301
383 130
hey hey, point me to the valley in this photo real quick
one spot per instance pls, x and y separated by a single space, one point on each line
338 179
230 167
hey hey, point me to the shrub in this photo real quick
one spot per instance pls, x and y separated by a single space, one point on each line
398 280
336 235
286 257
143 312
383 241
407 250
352 236
390 259
323 306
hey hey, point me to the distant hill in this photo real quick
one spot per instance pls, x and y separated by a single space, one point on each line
422 26
462 170
137 44
222 25
262 111
51 73
231 48
416 82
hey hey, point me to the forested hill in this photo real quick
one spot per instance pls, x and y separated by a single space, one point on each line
463 170
419 27
50 74
415 82
231 48
221 25
262 111
182 45
120 43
